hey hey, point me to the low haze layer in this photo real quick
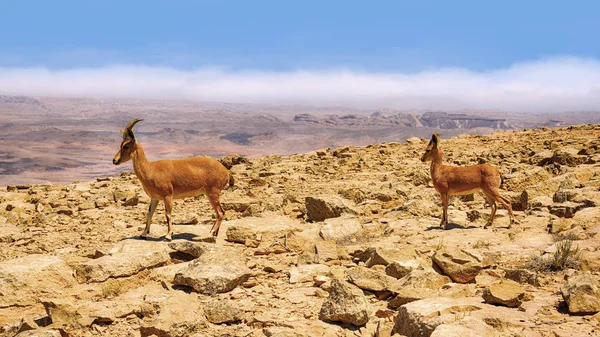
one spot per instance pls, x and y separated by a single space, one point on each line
552 85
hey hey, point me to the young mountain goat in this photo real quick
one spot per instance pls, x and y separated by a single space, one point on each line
165 180
452 180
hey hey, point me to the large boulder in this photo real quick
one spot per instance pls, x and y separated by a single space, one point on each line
582 294
346 304
505 292
24 280
461 265
218 270
319 208
128 258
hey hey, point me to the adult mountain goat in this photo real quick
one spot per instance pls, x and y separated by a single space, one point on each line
165 180
453 180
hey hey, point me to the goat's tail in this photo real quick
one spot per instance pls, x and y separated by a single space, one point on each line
231 182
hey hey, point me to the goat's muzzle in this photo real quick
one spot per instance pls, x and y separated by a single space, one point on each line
117 161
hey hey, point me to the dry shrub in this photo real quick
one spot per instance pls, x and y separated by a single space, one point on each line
565 257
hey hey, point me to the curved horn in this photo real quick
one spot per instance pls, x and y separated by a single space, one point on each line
128 133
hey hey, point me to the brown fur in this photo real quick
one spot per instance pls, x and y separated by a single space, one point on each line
453 180
165 180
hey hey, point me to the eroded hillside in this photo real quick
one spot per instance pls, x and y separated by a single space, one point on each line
336 242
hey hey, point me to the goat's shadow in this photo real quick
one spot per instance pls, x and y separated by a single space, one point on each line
178 236
449 226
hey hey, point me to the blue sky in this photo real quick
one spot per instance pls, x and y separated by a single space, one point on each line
274 41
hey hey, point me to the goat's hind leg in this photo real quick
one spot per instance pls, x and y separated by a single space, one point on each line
168 210
506 204
151 210
490 200
214 197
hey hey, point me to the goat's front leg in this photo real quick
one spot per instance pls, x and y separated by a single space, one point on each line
445 197
168 209
214 199
151 210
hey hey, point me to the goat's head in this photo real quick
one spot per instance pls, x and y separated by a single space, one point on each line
128 144
432 147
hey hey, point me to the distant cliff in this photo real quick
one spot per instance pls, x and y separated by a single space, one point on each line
437 120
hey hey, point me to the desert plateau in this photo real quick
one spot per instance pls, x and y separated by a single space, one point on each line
321 237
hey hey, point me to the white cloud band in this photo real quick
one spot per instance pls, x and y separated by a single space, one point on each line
556 84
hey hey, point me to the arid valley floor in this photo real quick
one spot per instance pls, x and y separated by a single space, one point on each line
340 241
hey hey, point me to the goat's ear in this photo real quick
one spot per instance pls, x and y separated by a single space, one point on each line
435 140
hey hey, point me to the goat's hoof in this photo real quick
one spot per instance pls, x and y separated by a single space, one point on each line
168 237
143 237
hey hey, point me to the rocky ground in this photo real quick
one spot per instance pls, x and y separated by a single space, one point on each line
336 242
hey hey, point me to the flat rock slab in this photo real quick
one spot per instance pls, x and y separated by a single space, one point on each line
67 312
126 259
261 228
421 318
370 279
423 278
408 294
306 272
24 280
385 255
179 315
341 230
468 327
319 208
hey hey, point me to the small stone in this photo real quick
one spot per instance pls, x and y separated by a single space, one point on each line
223 312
